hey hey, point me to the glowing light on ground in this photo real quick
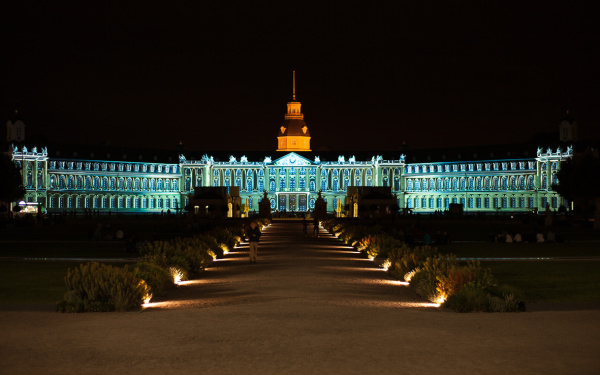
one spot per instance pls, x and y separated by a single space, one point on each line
191 282
441 299
409 275
176 274
394 282
386 265
156 304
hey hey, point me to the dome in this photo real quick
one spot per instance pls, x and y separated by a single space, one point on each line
293 127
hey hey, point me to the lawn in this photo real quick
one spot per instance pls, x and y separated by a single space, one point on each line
34 282
525 250
551 281
64 249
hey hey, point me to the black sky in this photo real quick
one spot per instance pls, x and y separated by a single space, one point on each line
432 74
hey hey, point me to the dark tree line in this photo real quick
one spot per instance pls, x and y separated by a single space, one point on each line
579 182
11 182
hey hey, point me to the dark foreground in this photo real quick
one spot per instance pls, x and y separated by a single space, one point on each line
308 306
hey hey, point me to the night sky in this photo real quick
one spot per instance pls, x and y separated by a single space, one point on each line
431 74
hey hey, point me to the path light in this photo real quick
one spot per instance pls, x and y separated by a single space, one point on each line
441 299
176 274
224 248
409 275
386 265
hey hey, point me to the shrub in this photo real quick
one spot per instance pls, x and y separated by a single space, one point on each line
505 299
456 277
470 298
158 279
404 260
99 287
425 281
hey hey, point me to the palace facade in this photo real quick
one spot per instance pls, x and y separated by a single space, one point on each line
292 181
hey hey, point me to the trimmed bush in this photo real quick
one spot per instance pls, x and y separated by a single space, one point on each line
404 260
470 298
99 287
425 280
158 279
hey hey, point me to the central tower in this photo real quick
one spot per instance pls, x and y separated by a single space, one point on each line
293 133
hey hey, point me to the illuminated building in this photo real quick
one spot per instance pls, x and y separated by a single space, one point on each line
292 180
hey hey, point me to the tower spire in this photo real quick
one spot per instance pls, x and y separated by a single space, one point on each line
293 85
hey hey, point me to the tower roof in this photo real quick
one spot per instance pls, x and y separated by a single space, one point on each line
293 127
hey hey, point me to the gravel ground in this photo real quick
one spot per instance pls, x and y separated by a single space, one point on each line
307 306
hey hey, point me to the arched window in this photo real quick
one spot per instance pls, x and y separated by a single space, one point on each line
249 184
312 186
272 186
302 183
261 185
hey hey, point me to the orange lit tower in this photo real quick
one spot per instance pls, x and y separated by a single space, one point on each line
293 133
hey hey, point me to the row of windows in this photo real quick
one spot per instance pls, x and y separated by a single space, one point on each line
112 202
105 183
479 183
503 202
472 167
114 167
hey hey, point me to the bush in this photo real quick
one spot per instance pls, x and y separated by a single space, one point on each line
470 298
99 287
404 260
158 279
425 281
456 277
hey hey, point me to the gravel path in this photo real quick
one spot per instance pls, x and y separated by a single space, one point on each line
308 306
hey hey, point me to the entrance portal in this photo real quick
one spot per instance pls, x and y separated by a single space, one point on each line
293 202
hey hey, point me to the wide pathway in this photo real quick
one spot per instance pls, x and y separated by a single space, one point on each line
308 306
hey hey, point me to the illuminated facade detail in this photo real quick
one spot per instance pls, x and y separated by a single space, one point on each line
515 185
294 134
292 182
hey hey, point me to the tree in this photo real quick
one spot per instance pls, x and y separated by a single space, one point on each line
579 182
11 182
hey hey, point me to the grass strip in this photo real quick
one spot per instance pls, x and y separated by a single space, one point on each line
551 281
